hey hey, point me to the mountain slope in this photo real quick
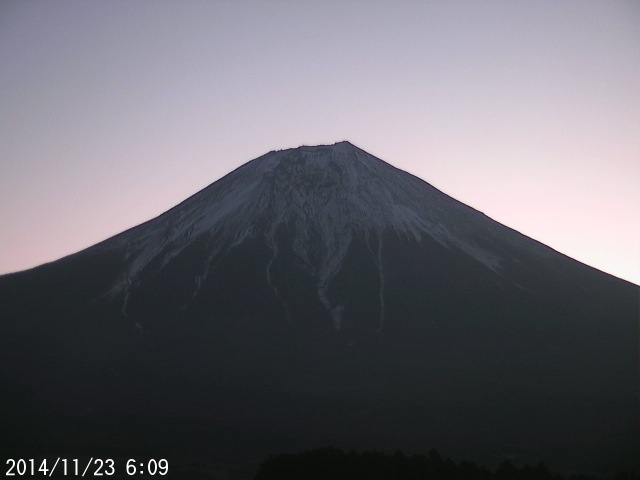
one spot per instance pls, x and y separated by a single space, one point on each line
319 295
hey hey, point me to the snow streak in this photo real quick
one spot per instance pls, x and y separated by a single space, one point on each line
381 288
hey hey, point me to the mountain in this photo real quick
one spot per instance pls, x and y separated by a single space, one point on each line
319 296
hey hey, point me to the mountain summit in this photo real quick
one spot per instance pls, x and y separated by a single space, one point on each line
323 199
317 296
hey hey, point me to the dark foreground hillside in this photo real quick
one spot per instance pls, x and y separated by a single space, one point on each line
334 464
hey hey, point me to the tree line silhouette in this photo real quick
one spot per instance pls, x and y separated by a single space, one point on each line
334 464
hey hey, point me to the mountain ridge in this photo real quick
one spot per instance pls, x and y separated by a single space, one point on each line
342 146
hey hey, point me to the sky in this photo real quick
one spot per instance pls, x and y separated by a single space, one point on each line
112 112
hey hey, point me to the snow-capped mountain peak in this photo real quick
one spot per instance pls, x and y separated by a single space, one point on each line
326 194
321 293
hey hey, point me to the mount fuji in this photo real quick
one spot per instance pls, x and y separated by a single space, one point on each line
317 296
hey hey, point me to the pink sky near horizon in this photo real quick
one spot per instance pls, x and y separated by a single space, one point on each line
113 112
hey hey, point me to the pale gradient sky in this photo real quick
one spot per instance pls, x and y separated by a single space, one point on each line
111 112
